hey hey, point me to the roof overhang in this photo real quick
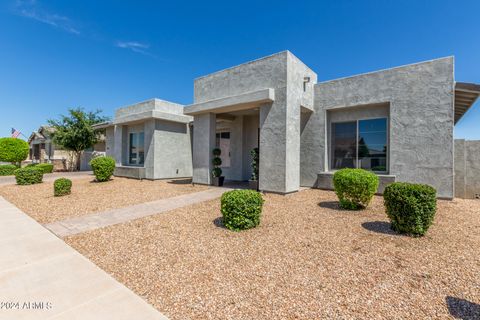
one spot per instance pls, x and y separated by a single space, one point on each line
153 114
233 103
102 125
465 96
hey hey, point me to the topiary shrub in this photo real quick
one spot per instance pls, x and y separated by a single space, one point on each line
355 187
7 169
28 175
13 150
241 209
103 168
46 167
62 187
410 207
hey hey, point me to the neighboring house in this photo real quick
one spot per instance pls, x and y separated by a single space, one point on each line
397 122
42 149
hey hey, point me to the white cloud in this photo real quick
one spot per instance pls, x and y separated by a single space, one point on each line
30 9
134 46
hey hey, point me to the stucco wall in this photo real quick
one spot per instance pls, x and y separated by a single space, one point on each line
173 158
267 72
467 169
421 121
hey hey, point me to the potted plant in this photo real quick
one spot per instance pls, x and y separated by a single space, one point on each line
253 182
217 171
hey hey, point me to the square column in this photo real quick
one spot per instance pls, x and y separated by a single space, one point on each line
118 144
203 143
279 146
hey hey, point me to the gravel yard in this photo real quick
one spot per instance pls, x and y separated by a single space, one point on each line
306 260
88 196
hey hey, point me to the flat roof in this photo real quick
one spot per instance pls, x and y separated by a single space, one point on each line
465 96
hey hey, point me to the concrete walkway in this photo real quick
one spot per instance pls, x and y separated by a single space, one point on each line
5 180
41 277
107 218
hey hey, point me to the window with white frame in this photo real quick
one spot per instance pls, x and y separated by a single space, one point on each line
360 144
136 148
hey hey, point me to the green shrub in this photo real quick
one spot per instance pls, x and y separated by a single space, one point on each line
28 175
217 162
241 209
62 187
103 168
7 169
13 150
355 187
410 207
46 167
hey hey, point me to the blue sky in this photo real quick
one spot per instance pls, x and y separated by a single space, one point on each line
105 54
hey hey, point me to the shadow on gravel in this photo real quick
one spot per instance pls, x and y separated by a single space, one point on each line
181 181
462 309
334 205
380 227
218 222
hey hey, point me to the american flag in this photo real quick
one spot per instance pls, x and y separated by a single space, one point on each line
15 133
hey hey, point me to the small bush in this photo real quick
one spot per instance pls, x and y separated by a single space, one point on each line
28 175
103 168
7 169
62 187
410 207
13 150
355 187
46 167
217 162
241 209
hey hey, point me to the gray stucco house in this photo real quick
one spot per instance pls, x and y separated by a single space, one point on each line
397 122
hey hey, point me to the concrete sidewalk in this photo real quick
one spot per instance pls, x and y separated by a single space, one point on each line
5 180
41 277
107 218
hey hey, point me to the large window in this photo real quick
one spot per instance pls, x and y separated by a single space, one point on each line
359 144
136 149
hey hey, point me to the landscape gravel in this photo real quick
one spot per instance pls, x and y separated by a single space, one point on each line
89 196
306 260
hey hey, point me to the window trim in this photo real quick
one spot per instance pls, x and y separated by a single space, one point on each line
330 143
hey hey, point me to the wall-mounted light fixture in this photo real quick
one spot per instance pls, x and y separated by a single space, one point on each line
305 81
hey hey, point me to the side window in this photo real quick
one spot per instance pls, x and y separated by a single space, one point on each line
136 149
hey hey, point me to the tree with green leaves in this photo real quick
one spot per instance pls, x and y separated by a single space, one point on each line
13 150
75 132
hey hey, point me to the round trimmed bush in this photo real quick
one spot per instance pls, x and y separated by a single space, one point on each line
355 187
410 207
7 169
13 150
28 175
103 168
241 209
62 187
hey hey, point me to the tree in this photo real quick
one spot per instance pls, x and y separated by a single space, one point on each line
13 150
75 132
